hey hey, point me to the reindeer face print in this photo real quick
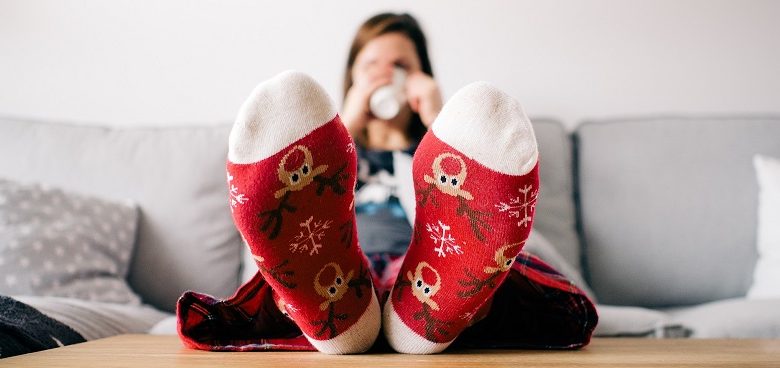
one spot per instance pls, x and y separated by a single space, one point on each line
449 181
335 289
421 289
474 284
503 263
299 176
449 175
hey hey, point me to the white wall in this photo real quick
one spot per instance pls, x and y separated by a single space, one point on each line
170 62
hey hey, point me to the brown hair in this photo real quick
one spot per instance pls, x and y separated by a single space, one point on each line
387 23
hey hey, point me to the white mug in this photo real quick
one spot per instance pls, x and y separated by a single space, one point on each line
386 101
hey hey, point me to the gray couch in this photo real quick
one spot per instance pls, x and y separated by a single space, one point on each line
658 215
661 215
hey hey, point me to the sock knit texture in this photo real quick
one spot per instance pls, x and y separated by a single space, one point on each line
476 182
291 174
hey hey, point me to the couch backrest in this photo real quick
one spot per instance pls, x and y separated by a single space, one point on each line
668 207
555 211
186 238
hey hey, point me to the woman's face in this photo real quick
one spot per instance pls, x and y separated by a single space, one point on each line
380 55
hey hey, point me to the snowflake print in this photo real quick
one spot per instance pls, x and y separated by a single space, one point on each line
442 238
307 239
351 147
236 198
516 206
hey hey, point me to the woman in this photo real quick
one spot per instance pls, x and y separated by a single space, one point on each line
384 43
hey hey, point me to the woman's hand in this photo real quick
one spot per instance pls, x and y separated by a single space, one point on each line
424 96
356 112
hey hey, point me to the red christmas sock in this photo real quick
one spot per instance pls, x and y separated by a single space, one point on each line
476 181
291 172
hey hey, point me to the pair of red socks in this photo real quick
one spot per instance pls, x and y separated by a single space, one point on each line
292 171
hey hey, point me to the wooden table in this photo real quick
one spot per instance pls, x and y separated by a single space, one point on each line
167 351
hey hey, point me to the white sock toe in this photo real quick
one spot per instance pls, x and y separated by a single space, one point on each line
278 112
489 126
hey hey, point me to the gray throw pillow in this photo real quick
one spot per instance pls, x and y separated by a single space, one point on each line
55 243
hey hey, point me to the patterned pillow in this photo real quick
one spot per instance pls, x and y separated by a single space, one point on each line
766 276
55 243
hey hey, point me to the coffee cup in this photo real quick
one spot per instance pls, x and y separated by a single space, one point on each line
386 102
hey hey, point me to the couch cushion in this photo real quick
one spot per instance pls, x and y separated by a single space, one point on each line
621 321
668 207
186 238
555 214
731 318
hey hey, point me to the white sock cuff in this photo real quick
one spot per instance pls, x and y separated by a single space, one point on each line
277 113
490 127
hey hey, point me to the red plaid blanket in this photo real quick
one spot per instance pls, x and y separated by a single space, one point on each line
536 307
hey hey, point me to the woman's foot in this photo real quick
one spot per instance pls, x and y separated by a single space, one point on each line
291 174
476 181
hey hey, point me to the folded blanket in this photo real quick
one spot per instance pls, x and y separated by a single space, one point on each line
96 320
23 329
